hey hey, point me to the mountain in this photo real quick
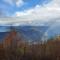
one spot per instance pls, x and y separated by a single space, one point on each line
32 33
3 35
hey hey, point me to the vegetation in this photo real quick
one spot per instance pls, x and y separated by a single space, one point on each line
13 48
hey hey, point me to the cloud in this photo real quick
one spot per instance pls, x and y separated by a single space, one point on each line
19 3
46 12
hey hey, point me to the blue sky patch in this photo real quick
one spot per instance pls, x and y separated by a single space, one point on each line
9 9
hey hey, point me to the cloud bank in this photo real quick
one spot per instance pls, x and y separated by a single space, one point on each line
46 12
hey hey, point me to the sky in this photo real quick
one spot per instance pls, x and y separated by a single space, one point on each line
19 7
29 10
42 10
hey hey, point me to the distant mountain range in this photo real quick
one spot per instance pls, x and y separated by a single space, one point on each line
32 33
